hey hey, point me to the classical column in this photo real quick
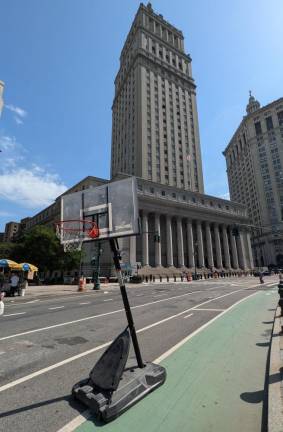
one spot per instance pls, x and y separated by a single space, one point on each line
145 255
180 243
249 246
227 260
209 245
234 251
241 250
157 243
219 262
200 245
190 240
133 250
169 244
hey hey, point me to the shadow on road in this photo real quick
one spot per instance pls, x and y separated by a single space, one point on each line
67 398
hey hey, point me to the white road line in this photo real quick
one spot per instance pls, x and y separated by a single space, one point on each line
84 303
32 301
187 316
77 421
85 353
107 300
2 352
105 292
139 295
209 310
91 317
190 336
57 307
13 314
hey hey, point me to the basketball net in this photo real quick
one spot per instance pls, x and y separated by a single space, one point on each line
73 233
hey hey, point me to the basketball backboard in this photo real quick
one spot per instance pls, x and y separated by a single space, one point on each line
113 206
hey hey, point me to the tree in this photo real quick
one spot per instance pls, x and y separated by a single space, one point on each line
41 247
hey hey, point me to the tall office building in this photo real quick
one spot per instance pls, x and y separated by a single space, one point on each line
254 159
1 96
155 133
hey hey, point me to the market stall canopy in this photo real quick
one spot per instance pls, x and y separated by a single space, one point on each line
10 264
28 267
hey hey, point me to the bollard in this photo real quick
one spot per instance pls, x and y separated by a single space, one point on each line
167 278
153 278
174 278
146 278
160 278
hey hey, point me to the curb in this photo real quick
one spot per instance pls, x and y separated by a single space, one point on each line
275 379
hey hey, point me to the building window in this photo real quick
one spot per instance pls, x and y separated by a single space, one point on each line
163 193
258 130
269 123
151 190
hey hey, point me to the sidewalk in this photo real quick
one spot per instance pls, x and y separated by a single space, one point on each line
216 381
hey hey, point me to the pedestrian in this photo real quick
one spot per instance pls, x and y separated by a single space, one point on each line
261 278
14 283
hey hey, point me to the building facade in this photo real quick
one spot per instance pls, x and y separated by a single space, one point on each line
11 231
254 159
155 133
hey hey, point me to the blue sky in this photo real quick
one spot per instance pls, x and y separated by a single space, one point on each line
59 59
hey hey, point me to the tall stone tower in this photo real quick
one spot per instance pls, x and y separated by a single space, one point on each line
155 133
1 96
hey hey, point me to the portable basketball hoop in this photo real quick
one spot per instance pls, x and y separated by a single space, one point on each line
72 233
109 212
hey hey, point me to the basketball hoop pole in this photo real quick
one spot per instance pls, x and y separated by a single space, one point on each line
116 259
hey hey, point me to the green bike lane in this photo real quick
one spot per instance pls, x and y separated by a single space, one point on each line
215 380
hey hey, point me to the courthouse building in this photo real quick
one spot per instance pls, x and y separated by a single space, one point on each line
254 159
155 137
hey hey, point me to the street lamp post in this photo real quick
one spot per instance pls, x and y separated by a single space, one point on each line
95 261
195 254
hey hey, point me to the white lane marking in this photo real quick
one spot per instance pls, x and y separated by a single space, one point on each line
187 316
139 295
85 353
160 295
32 301
77 421
91 317
185 311
190 336
13 314
107 300
105 292
213 310
84 303
57 307
2 352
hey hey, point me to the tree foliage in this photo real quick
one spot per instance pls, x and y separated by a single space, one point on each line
41 247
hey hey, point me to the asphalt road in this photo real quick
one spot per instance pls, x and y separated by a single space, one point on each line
47 345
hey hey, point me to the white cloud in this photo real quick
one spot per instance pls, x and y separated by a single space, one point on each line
5 214
31 188
7 143
23 182
20 112
18 120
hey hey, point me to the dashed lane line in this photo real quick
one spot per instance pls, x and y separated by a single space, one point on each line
84 303
188 316
56 307
85 353
92 317
108 300
209 310
14 314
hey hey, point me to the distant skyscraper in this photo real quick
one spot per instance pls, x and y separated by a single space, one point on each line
1 96
254 159
155 133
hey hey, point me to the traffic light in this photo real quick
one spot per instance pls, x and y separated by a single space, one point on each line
235 232
93 261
